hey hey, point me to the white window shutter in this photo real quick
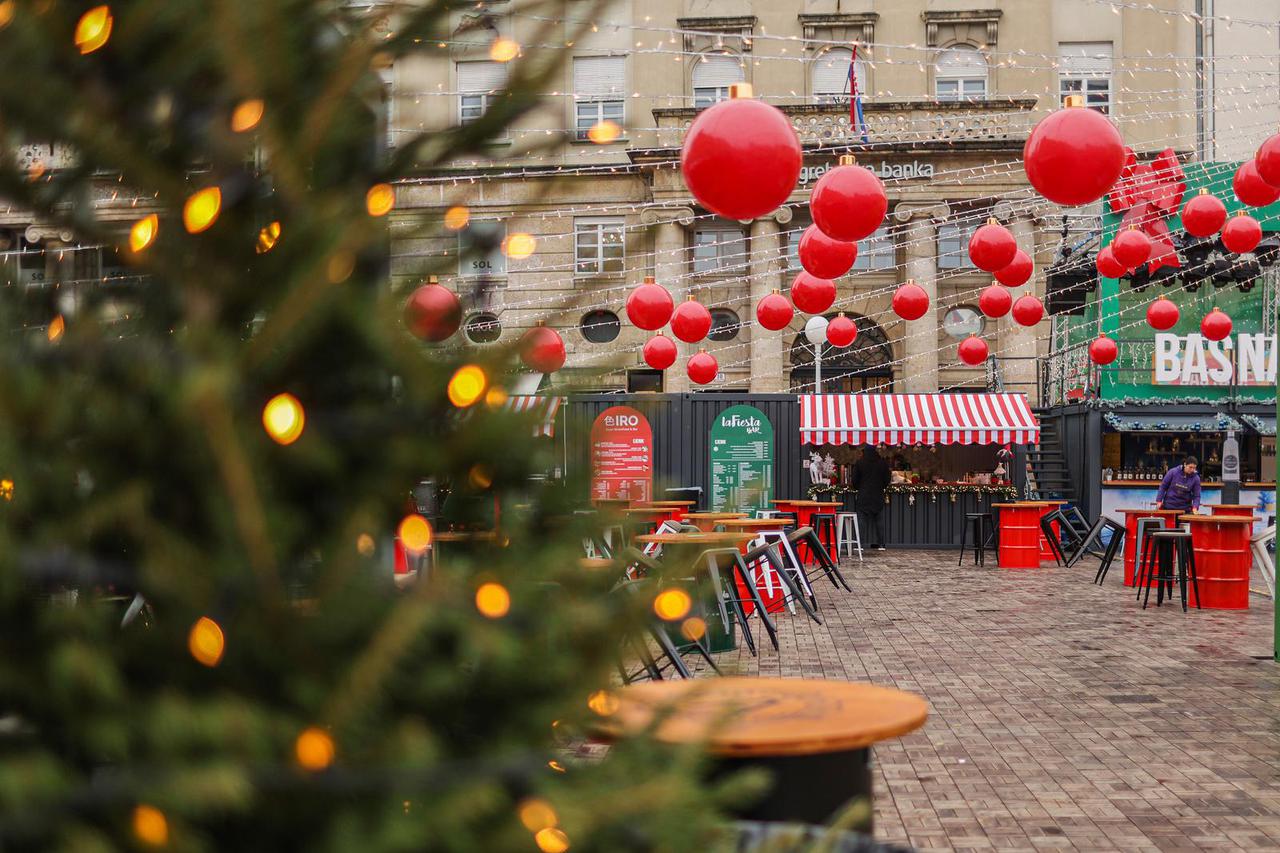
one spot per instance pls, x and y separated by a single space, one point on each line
717 70
961 61
831 72
481 76
1085 59
596 77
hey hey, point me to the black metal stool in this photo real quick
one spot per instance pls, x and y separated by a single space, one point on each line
824 527
806 536
977 523
1053 537
1158 566
1113 546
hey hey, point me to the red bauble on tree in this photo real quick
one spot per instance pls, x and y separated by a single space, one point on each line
995 301
542 349
841 332
848 203
660 352
1267 160
1103 350
1131 248
691 321
1162 314
824 257
910 302
432 312
1216 325
1250 188
741 158
1017 272
992 247
1108 266
1204 215
1073 156
1241 234
1027 311
649 306
972 350
774 312
702 367
811 294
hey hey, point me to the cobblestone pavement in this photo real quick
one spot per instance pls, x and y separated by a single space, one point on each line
1063 716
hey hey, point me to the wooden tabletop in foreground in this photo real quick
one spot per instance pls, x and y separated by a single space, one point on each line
1224 519
774 523
713 516
668 503
724 539
741 717
798 502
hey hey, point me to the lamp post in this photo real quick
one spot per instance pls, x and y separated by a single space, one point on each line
815 331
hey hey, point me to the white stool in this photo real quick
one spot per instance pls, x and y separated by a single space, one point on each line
766 513
848 534
1263 558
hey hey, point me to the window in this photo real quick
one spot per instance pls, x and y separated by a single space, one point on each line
962 321
483 328
599 87
953 245
960 73
830 76
712 77
724 325
480 249
643 380
876 252
1085 69
719 250
478 85
600 327
597 247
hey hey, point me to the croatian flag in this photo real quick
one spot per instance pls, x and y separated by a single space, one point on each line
857 123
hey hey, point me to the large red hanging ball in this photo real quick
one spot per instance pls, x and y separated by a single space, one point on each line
1267 160
1017 272
992 247
1216 325
848 203
811 294
741 158
1250 188
432 312
1241 234
910 302
1027 310
1103 350
702 367
1108 266
995 301
841 332
1131 248
542 350
774 312
649 306
972 350
1073 156
660 352
1162 314
1204 215
824 257
691 321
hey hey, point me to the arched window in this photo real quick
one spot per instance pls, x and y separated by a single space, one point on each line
712 77
483 328
600 327
830 76
960 73
865 365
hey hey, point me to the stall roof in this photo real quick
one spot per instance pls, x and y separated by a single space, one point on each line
1208 422
1260 424
917 418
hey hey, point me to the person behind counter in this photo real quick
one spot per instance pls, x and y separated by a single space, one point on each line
1180 488
870 478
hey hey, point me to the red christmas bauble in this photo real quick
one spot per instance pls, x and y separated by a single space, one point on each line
774 312
841 332
848 203
1216 325
649 306
1108 266
1267 160
1017 272
432 312
1241 234
824 257
1073 156
691 321
972 350
1250 188
811 294
995 301
542 350
992 247
910 302
1162 314
1204 215
1131 248
702 367
1027 310
660 352
741 158
1103 350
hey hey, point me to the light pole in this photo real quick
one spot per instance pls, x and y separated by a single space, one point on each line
815 330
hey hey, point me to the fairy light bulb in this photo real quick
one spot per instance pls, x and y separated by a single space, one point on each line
202 209
493 600
414 533
206 642
551 840
314 749
150 826
94 29
143 233
519 246
380 199
283 418
267 238
57 327
536 814
457 217
467 385
672 604
247 114
603 702
504 49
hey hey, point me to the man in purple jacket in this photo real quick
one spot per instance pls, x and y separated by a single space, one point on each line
1180 488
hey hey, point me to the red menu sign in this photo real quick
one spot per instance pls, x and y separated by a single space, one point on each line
621 456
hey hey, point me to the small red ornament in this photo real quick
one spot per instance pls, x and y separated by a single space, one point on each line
1267 160
542 349
1250 188
1241 234
811 294
841 332
995 301
1131 248
1108 266
824 257
1017 272
848 203
1103 350
972 350
1204 215
741 158
649 306
992 247
1027 310
910 302
1073 156
691 321
432 312
660 352
702 367
1216 325
774 312
1162 314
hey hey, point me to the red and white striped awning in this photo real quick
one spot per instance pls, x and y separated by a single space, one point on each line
917 419
544 407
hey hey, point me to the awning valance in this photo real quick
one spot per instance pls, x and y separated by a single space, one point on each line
1208 422
544 408
917 419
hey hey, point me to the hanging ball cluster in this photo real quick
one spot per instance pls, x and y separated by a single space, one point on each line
848 202
910 302
1204 215
811 294
1250 188
1131 248
1241 234
1017 272
995 301
1027 310
1267 160
660 352
649 306
824 257
1103 350
992 247
1108 266
691 321
1073 156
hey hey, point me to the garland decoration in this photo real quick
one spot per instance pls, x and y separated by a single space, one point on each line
1003 491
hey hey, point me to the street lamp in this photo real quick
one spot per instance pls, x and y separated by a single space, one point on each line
815 330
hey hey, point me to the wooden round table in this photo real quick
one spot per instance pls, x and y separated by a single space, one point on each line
752 523
1232 509
706 521
675 509
813 737
1223 560
1131 543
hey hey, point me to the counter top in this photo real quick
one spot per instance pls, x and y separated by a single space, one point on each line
1204 484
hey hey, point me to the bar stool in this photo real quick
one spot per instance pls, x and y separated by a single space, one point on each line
1146 526
767 513
848 534
1113 546
1053 537
807 536
976 523
824 527
1163 547
765 555
1085 544
1262 557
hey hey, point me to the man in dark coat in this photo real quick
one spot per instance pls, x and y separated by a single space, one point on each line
870 478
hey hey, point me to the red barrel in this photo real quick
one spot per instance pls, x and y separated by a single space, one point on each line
1019 535
1223 560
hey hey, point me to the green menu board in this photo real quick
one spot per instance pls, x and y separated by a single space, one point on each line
741 460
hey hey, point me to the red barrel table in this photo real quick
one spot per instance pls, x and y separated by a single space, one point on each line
1020 533
1223 560
1131 517
1232 509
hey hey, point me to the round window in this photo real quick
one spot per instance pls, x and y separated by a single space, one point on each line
483 328
963 321
600 327
724 325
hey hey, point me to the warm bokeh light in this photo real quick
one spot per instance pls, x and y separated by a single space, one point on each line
672 604
551 840
201 210
267 238
314 749
380 199
365 545
342 264
283 418
247 114
603 703
504 49
536 814
604 132
206 641
519 246
493 600
415 533
495 397
6 489
93 29
7 8
480 476
57 326
143 233
693 628
150 826
466 385
556 766
457 217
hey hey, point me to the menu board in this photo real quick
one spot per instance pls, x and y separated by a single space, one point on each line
621 456
741 460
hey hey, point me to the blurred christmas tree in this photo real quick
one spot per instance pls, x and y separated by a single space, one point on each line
278 693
